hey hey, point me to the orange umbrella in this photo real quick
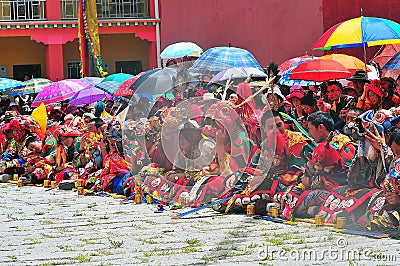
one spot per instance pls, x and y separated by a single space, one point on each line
350 62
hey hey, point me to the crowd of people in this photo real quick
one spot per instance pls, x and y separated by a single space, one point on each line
328 149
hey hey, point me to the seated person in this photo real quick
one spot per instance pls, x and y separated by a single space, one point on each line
41 164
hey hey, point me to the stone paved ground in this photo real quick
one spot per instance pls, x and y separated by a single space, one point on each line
40 227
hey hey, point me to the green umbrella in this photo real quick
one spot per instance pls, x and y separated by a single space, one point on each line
119 77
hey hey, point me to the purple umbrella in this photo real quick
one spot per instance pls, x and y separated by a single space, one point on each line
89 95
237 73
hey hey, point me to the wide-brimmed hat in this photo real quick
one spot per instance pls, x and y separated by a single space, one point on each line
276 90
296 91
196 53
189 124
359 75
349 87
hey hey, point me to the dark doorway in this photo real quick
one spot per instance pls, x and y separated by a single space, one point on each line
129 67
24 72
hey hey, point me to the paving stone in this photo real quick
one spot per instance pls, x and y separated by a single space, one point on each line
42 227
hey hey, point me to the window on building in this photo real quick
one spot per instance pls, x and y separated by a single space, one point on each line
73 69
129 67
24 72
69 9
122 9
22 10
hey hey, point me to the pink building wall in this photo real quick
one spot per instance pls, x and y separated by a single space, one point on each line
271 30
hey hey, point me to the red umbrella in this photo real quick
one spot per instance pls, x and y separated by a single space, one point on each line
290 62
386 54
125 88
319 70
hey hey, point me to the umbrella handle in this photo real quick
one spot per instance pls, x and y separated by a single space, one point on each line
248 78
256 93
227 85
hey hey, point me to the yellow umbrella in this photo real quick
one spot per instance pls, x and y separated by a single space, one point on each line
350 62
40 115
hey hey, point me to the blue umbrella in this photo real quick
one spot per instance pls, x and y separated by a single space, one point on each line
285 78
108 86
220 58
180 49
92 80
31 86
8 84
111 83
393 63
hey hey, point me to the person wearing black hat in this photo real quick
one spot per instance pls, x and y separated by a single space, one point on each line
359 79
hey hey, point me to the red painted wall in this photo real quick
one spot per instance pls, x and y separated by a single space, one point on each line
341 10
271 30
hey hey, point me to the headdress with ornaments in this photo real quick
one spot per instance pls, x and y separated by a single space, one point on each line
226 113
113 130
379 87
67 131
24 123
392 181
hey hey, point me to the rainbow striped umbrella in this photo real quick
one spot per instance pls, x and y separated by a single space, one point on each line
57 92
361 31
